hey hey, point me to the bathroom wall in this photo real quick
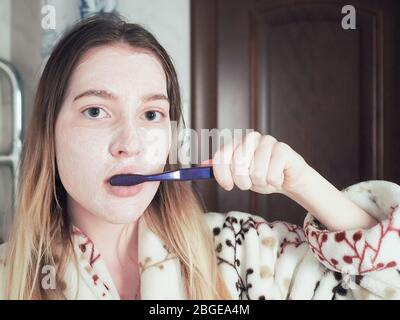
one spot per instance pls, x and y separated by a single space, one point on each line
25 47
5 26
169 20
22 37
6 178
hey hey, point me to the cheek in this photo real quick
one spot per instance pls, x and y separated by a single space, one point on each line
156 145
80 154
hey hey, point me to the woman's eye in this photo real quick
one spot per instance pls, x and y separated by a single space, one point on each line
153 115
94 112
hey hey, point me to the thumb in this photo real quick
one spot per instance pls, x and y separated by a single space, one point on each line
205 163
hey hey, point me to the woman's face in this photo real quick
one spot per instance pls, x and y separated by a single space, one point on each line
114 119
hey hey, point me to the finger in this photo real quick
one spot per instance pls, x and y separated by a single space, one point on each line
242 158
260 163
221 164
206 163
275 175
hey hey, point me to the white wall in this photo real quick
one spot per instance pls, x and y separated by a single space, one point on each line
21 35
19 40
5 25
5 101
169 21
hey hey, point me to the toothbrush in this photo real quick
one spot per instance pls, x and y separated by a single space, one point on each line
195 173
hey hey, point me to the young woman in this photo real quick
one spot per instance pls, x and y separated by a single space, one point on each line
106 86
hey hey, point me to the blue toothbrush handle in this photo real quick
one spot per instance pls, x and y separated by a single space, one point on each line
182 174
196 173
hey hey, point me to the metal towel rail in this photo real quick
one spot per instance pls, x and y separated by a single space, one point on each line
12 159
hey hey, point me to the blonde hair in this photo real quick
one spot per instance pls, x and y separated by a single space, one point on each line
41 224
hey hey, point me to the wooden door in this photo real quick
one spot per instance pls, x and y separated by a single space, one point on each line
289 69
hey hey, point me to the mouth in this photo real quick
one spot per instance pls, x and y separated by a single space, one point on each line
127 170
123 191
119 175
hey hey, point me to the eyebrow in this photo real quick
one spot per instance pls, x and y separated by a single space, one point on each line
108 95
97 93
154 96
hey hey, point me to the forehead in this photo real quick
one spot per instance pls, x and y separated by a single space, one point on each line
120 68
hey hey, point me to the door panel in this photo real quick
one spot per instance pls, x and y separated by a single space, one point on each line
288 69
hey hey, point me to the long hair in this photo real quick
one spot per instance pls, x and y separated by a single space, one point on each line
41 223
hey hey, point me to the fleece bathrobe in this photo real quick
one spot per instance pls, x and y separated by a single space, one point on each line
264 260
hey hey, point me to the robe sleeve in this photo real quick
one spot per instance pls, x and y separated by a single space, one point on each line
263 260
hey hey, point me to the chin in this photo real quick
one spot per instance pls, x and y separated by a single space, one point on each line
123 218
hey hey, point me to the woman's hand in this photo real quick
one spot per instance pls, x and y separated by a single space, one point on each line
262 164
259 163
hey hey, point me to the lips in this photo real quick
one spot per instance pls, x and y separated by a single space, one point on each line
125 170
124 191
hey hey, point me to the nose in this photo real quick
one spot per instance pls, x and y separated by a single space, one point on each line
127 142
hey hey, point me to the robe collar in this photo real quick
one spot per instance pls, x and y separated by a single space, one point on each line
160 271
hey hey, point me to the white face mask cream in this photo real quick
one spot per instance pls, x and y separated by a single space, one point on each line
114 119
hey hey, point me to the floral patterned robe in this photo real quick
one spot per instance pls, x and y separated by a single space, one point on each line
263 260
